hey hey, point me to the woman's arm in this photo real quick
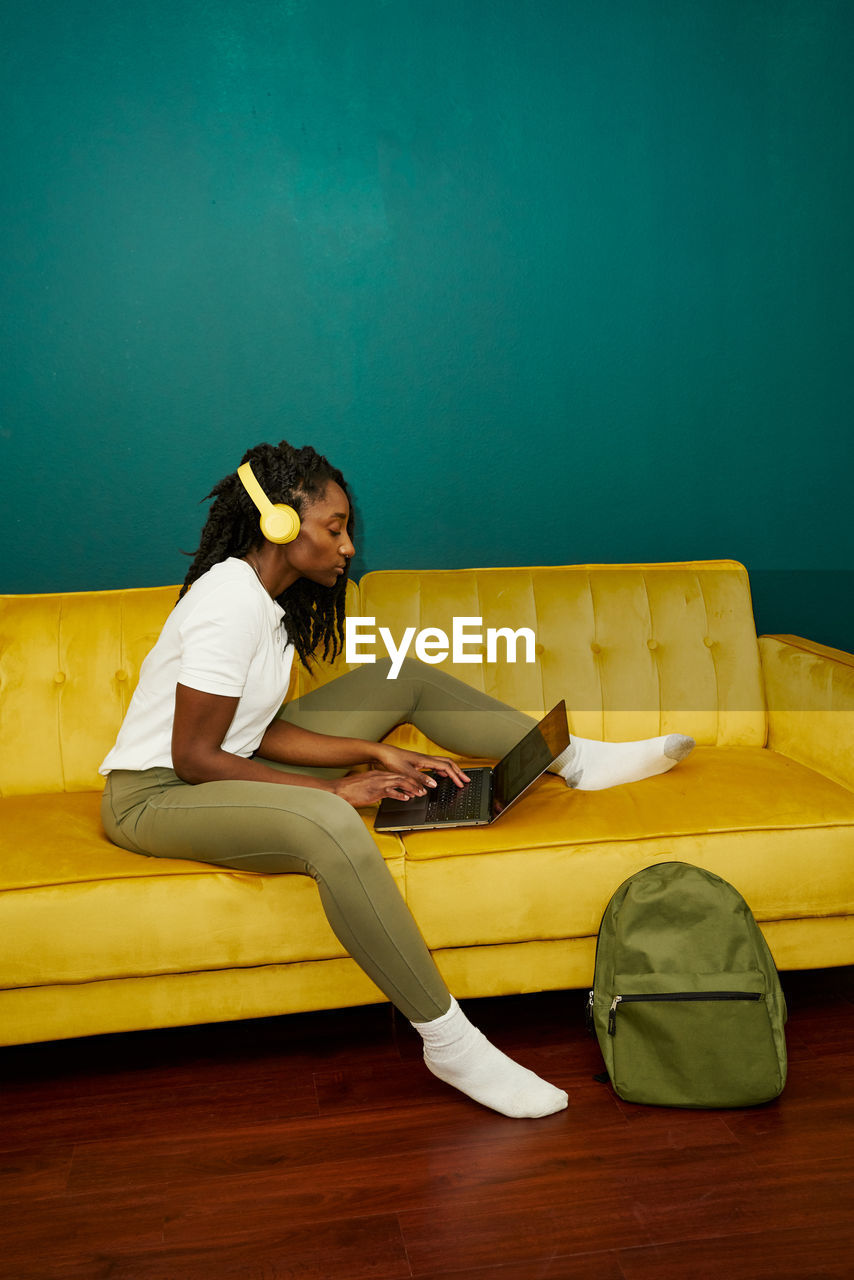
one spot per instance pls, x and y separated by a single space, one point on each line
198 730
201 723
291 744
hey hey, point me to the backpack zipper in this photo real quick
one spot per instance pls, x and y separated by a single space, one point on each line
676 995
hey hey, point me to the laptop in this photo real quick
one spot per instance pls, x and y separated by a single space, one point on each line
491 791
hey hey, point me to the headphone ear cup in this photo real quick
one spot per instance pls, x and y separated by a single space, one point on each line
280 524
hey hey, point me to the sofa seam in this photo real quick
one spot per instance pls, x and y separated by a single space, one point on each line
699 582
598 665
536 633
677 835
657 665
59 696
179 973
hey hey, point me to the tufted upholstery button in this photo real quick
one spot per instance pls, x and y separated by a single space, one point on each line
708 641
121 675
652 644
595 648
59 678
539 648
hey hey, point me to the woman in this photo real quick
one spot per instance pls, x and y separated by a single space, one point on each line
209 766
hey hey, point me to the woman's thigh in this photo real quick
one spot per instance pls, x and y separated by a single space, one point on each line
260 826
365 703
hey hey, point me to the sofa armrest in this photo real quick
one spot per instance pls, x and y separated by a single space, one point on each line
810 696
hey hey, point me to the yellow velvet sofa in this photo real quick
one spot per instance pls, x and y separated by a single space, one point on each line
94 939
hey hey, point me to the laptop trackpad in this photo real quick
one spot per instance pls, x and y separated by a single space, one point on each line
414 808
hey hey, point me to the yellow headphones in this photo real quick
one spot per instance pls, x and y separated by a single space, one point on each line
279 523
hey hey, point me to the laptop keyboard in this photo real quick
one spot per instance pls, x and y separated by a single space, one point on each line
450 803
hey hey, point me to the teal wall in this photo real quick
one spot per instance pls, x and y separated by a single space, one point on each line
550 280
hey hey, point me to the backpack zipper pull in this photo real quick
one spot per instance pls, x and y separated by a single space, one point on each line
612 1016
588 1012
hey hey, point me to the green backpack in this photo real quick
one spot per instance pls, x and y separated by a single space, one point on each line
686 1002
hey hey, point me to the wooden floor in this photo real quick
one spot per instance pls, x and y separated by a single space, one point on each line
317 1147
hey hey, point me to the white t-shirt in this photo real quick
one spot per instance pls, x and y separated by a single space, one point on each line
224 636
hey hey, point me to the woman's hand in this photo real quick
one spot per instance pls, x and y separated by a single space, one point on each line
410 763
368 788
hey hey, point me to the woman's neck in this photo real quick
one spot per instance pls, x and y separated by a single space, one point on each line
272 570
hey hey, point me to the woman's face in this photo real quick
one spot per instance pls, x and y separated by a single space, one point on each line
322 548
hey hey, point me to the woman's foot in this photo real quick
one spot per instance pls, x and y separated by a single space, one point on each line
589 765
456 1052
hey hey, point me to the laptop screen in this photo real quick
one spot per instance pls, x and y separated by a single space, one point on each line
524 763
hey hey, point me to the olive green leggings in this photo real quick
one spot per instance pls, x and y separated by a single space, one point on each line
271 828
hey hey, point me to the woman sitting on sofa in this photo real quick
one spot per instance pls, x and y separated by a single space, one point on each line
209 766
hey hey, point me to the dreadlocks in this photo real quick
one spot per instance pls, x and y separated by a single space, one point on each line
314 615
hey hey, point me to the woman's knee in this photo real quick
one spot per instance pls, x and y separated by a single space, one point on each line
344 848
332 818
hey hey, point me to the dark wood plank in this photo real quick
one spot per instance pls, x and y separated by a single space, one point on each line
472 1236
706 1198
774 1252
336 1170
586 1266
37 1235
359 1249
121 1107
31 1172
808 1124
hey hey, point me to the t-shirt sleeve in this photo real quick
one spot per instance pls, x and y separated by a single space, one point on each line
218 640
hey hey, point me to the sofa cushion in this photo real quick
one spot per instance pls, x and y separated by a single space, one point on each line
76 908
778 831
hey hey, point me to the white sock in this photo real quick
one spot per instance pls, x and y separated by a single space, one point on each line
589 765
459 1054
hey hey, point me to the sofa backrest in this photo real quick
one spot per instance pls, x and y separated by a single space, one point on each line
68 667
636 650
